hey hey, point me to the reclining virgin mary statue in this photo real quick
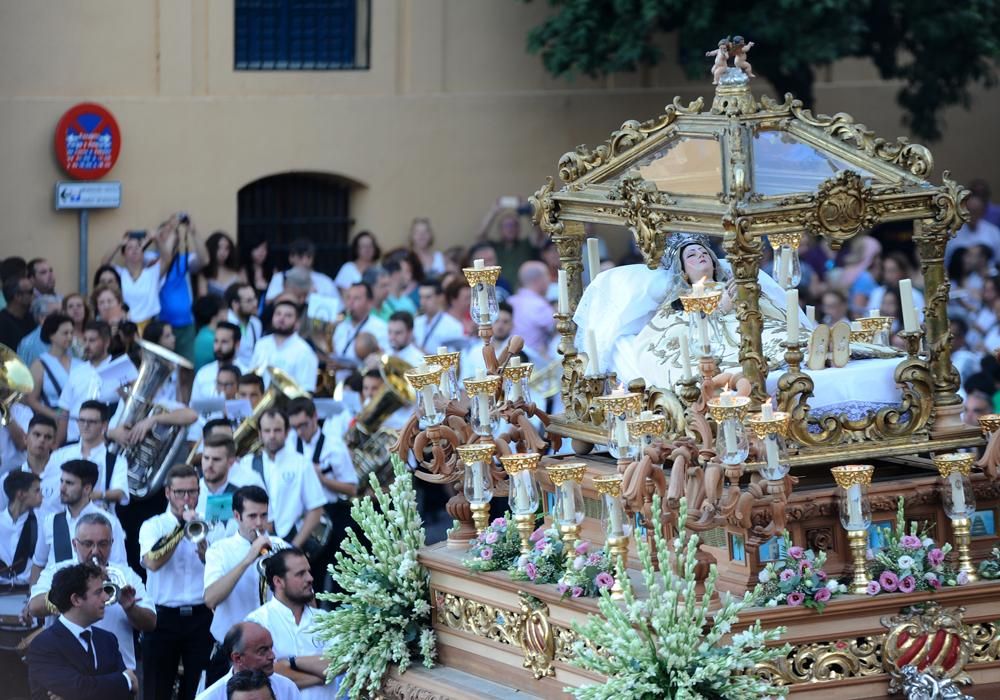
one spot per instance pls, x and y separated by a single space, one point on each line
639 324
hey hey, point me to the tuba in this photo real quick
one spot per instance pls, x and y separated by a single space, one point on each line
15 377
149 460
283 388
370 442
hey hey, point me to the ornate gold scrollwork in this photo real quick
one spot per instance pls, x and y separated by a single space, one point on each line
536 637
743 253
932 639
545 210
843 208
826 661
648 226
912 157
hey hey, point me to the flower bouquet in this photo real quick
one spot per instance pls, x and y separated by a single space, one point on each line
990 568
545 562
588 574
495 548
798 579
911 561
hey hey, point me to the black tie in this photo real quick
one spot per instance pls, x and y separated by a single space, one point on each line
85 636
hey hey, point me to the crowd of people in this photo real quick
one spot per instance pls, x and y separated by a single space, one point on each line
185 557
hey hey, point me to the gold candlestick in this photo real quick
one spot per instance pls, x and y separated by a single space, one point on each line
480 516
569 504
962 529
525 523
858 541
850 477
616 528
954 469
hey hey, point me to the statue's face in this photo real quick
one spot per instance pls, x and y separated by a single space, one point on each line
697 263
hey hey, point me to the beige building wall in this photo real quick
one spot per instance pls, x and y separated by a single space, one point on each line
451 114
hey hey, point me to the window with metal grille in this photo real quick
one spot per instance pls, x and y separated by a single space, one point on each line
281 208
301 34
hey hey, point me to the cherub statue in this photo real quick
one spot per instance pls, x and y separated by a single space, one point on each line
924 686
738 48
721 60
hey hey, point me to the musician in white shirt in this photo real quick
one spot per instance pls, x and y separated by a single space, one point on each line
216 488
249 648
359 300
232 584
241 300
225 348
434 327
133 610
84 379
39 440
301 256
290 479
19 526
284 349
401 345
112 485
288 616
175 568
472 356
13 435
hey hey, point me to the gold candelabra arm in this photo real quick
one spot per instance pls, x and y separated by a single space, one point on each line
858 541
962 529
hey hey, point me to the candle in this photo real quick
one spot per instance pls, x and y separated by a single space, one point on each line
445 383
563 292
855 521
706 347
427 398
873 313
909 312
621 435
792 314
615 515
771 448
957 494
685 358
618 390
481 294
515 384
729 431
785 274
811 314
477 481
767 410
593 367
483 402
569 508
521 492
727 396
698 288
593 258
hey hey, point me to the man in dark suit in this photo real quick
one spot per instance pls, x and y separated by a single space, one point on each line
73 659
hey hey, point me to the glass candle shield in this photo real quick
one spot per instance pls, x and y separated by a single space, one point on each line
704 334
483 307
853 481
958 496
731 444
482 404
788 271
478 486
619 444
516 377
425 381
523 492
448 386
644 431
616 521
774 459
569 503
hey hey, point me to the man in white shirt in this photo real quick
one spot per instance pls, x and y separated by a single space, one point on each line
978 231
248 647
241 300
225 348
331 460
288 616
472 356
39 441
84 379
215 496
232 584
284 349
13 435
175 568
19 526
132 612
434 327
400 330
359 300
296 495
54 540
112 470
302 255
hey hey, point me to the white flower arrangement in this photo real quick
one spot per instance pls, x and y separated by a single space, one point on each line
670 644
383 610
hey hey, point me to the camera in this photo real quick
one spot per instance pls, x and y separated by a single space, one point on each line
183 218
138 235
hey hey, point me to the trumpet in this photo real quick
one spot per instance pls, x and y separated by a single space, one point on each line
114 583
195 530
267 552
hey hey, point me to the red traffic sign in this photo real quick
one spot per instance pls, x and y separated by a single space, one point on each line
87 141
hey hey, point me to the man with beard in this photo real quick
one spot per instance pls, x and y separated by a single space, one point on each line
112 478
248 647
241 300
472 357
84 380
283 349
225 348
433 327
216 487
401 339
288 616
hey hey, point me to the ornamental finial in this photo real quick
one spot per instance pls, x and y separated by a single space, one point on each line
741 71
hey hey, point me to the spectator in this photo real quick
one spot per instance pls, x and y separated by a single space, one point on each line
241 300
222 269
107 276
295 289
422 245
32 345
176 297
11 268
533 319
434 328
43 277
458 298
75 306
981 189
208 311
109 306
301 256
365 253
403 295
51 368
400 331
512 250
977 404
15 319
258 268
162 334
896 266
140 284
359 301
285 349
484 250
978 231
834 307
965 361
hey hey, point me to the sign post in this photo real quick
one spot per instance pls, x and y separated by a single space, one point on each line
87 144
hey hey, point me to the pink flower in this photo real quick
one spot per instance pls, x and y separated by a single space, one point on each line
796 552
935 557
538 534
820 574
795 599
822 595
540 545
907 584
499 522
910 542
594 558
873 588
562 588
582 547
530 570
604 580
576 592
786 575
490 536
889 581
934 581
486 553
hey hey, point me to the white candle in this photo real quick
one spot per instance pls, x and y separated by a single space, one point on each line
523 497
771 448
482 402
698 288
563 292
477 481
767 410
593 258
706 347
593 368
621 436
615 516
792 314
685 358
785 274
481 294
515 384
729 431
811 314
445 383
855 521
727 396
569 508
427 397
957 493
906 300
873 313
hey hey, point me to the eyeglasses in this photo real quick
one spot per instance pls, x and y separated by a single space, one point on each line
90 544
184 493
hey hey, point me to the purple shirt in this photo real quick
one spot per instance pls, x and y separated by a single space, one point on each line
533 319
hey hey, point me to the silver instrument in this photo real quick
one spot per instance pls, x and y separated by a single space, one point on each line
195 530
16 378
370 442
268 552
114 583
149 461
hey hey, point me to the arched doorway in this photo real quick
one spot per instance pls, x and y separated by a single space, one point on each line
282 208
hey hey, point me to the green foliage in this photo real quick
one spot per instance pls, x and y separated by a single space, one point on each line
383 613
937 49
670 644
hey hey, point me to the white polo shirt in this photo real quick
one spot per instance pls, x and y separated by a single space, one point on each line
218 528
204 379
142 295
115 619
432 333
291 484
346 333
334 460
84 384
293 356
321 284
97 455
221 558
180 581
411 354
10 456
250 333
283 688
45 551
292 639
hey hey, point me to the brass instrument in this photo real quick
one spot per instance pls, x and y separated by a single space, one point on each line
114 583
546 381
261 565
195 530
195 534
149 461
370 442
16 378
282 388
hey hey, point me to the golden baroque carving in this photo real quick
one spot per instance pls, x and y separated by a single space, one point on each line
933 639
577 163
545 210
648 226
399 689
536 637
912 157
843 208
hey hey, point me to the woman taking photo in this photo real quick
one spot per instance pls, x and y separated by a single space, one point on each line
223 268
51 370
